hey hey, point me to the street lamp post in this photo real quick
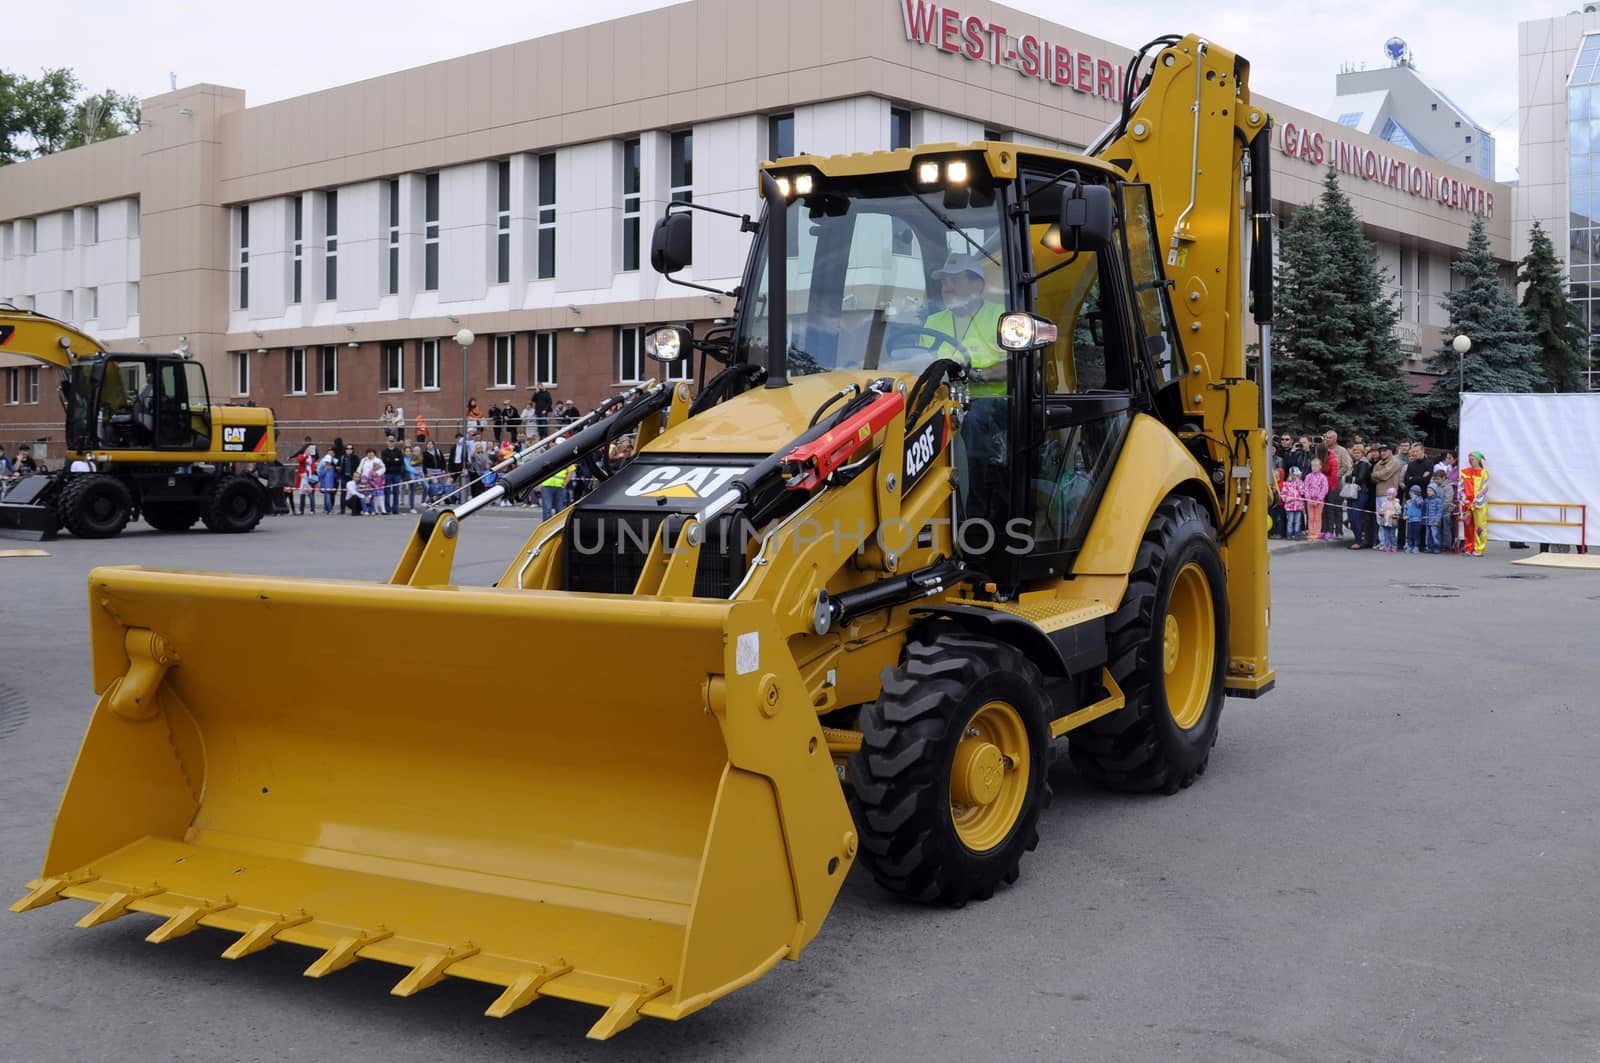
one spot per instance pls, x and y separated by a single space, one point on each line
465 338
1461 345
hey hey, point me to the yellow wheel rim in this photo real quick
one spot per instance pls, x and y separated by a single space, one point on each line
989 777
1188 646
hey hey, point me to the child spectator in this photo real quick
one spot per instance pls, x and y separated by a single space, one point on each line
1433 517
1388 518
1413 512
328 474
1294 503
1316 490
306 485
1447 506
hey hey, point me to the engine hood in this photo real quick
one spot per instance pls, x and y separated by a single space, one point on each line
761 420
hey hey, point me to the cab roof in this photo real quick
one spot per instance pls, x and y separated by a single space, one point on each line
1001 157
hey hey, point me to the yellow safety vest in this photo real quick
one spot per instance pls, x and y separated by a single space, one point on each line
558 479
980 339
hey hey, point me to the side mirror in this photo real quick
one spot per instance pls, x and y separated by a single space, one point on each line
1086 217
670 245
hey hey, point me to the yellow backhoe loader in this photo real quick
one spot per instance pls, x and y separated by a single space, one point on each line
982 468
145 422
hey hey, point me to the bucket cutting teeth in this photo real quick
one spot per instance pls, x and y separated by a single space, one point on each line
261 935
432 969
116 905
344 952
185 920
525 990
48 891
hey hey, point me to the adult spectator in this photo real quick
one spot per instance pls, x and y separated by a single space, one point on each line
1362 525
1419 471
393 421
460 459
513 421
1337 468
8 471
25 465
433 469
1387 472
530 420
474 418
1299 456
348 465
497 421
394 474
543 403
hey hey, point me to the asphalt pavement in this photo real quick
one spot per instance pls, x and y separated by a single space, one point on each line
1394 856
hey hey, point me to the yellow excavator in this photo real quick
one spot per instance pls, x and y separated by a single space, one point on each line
982 468
145 425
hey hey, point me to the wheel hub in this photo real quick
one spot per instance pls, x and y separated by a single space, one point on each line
979 772
1170 645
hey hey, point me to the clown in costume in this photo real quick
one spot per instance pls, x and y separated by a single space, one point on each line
1475 504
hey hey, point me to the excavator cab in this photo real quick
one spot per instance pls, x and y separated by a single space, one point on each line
137 402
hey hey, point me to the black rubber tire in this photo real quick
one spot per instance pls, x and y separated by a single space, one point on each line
900 778
171 516
233 505
94 506
1141 749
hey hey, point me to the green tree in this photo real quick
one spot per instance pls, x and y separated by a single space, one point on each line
1336 362
1563 349
42 115
1504 354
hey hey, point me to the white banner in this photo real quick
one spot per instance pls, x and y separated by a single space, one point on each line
1541 449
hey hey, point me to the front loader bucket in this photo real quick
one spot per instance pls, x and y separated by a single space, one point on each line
27 511
624 802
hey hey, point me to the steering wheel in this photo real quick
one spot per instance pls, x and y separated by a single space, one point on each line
899 333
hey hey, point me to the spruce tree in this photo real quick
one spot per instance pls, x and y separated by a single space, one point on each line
1504 354
1557 329
1336 363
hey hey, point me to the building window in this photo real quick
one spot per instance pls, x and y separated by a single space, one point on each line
428 365
13 386
241 372
630 355
990 133
296 384
630 205
502 246
682 171
394 236
503 361
330 276
299 248
544 359
547 216
780 136
430 233
1433 106
91 301
133 298
91 226
1469 158
900 128
682 369
30 235
68 309
394 370
244 256
30 388
328 371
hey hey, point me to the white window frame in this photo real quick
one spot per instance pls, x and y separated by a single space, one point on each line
330 247
393 358
92 222
503 361
545 265
428 365
546 368
297 238
242 297
682 369
634 333
502 237
430 230
241 372
327 357
69 306
392 261
13 387
133 298
297 369
91 304
30 385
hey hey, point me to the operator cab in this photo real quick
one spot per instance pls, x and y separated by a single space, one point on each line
137 402
891 271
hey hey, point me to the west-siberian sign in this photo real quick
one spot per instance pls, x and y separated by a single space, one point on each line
989 42
1314 147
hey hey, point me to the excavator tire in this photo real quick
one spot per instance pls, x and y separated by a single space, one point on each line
949 782
233 505
171 516
94 506
1168 653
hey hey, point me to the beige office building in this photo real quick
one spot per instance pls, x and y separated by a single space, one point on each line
318 254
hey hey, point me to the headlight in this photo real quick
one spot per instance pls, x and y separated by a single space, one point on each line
783 187
928 173
1024 332
802 184
666 344
956 172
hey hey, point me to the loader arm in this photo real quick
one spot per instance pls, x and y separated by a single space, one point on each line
1188 134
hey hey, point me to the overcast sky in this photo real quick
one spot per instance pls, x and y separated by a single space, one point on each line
282 48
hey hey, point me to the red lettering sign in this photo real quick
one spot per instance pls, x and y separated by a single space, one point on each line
949 30
1028 49
974 37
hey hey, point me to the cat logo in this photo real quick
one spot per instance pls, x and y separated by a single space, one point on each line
233 438
689 481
